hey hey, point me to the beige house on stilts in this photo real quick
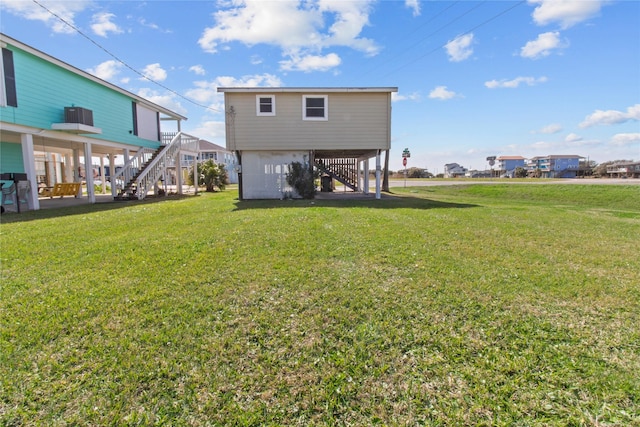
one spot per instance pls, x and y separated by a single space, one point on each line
335 130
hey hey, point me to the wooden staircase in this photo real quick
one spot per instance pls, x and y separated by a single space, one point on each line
344 170
130 189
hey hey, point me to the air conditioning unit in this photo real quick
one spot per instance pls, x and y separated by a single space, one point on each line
78 115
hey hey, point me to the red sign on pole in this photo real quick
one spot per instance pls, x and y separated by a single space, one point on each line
404 161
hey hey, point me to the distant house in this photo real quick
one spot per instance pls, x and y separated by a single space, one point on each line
507 165
335 130
454 170
624 169
554 166
210 151
56 119
479 174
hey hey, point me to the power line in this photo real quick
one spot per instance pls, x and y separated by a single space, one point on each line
122 62
461 35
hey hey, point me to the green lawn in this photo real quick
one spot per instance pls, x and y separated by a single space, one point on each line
463 305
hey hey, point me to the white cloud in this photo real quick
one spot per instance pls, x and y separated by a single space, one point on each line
300 28
623 139
514 83
542 46
442 93
210 130
206 92
31 11
414 5
168 100
550 129
572 137
154 72
102 24
566 12
459 49
311 63
255 60
197 69
611 117
106 70
396 97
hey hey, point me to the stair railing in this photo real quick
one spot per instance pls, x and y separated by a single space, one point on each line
343 170
133 166
152 173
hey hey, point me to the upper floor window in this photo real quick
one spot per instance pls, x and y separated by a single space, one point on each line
265 105
315 107
8 95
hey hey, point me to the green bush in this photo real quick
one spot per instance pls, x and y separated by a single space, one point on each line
302 179
211 175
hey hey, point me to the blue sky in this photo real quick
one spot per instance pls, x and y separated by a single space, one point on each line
475 78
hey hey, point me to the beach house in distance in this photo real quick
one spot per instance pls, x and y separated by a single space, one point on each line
335 130
56 120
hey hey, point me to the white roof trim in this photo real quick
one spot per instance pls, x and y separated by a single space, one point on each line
308 89
10 41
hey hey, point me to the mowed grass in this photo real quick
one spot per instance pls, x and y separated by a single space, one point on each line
470 305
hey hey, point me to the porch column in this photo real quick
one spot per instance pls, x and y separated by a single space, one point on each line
127 175
76 167
103 176
112 174
195 175
178 163
366 176
68 169
29 164
88 172
378 174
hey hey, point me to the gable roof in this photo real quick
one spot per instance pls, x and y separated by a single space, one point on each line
6 40
210 146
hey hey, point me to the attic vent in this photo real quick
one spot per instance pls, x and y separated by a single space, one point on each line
78 115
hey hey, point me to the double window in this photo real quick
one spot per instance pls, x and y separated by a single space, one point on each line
265 105
315 107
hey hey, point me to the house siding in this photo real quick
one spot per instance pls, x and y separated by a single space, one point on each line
44 89
11 160
355 121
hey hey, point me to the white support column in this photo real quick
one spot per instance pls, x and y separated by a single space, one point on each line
178 163
127 175
76 166
29 164
50 170
88 172
195 175
378 168
112 173
366 176
103 176
68 168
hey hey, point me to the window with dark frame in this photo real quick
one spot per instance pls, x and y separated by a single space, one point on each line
315 107
265 105
10 95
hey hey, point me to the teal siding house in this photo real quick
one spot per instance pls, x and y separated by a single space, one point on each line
56 120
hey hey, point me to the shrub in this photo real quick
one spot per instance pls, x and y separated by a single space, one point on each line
302 179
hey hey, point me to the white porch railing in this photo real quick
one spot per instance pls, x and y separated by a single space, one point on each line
134 165
148 177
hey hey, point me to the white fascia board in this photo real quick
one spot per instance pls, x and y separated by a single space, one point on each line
308 89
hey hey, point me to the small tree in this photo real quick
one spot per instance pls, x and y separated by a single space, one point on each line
520 172
302 179
211 175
